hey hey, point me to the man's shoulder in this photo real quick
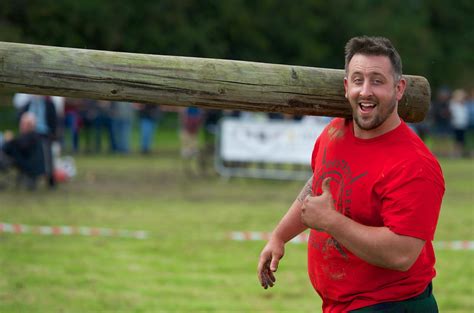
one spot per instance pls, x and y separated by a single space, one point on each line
414 163
338 122
336 128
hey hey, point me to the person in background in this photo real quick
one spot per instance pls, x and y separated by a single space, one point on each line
72 121
148 115
459 113
25 152
440 112
370 245
103 125
210 126
470 130
44 110
59 105
191 121
88 113
122 119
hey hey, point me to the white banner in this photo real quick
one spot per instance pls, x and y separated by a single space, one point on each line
273 141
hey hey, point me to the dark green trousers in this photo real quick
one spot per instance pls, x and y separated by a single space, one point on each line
423 303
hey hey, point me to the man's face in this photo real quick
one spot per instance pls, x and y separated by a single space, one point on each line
27 123
373 92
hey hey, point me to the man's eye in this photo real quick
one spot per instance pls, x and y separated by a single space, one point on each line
378 81
357 81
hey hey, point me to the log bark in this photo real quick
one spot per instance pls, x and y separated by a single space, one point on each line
186 81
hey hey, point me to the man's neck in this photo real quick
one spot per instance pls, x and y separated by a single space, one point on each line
390 124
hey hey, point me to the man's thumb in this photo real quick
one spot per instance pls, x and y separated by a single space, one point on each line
326 187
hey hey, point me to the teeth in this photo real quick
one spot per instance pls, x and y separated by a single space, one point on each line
367 105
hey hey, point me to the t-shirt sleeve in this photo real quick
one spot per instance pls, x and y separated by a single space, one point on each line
411 200
321 138
315 153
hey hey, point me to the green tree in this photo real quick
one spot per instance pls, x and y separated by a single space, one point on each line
434 37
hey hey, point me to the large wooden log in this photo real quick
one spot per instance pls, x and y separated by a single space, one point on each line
185 81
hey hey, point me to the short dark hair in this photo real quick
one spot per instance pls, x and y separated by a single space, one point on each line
374 46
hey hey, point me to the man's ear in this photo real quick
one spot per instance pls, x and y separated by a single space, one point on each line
345 87
401 86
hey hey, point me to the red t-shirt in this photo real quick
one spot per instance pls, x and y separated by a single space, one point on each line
392 180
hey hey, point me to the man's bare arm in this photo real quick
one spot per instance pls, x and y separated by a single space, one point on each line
288 227
306 191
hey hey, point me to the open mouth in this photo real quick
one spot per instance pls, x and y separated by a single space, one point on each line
366 107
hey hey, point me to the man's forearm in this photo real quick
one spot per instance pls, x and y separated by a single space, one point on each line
290 225
376 245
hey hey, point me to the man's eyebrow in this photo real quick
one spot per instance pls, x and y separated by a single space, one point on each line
356 73
373 73
377 74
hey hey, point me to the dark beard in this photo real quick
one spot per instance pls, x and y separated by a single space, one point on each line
377 121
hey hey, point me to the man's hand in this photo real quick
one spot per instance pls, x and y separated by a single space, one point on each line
268 263
318 212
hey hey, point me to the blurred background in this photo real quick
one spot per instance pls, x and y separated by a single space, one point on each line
435 39
154 168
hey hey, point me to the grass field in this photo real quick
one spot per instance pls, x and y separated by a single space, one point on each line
187 264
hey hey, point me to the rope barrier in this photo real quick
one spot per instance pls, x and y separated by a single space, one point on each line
303 238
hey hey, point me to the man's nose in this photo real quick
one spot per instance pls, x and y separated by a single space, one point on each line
366 89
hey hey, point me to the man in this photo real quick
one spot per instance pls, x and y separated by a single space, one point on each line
46 124
25 152
371 222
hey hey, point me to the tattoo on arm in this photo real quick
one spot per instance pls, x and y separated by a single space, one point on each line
306 191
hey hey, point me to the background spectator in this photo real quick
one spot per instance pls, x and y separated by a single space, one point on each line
441 113
122 119
191 122
25 152
103 126
72 121
148 115
44 110
459 121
